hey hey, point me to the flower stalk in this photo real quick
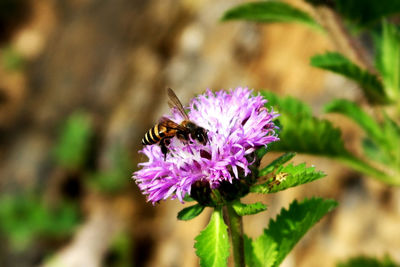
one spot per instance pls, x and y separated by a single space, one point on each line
236 231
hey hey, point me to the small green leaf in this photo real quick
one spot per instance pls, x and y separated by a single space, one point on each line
277 163
388 59
270 11
336 62
291 176
366 261
212 244
290 225
248 209
191 212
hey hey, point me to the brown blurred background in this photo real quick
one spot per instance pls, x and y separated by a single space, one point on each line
97 70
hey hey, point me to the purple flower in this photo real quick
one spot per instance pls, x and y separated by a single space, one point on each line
237 123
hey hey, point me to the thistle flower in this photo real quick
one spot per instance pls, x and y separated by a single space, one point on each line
237 124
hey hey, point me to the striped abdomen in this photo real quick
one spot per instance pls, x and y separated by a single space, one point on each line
154 135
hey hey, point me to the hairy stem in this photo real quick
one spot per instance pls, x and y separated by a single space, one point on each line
348 45
236 231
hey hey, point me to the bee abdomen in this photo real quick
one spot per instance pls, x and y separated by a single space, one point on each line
152 136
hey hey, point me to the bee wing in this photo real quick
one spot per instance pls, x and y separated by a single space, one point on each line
164 121
173 101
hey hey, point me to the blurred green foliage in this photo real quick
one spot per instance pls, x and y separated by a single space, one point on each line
120 253
74 142
71 152
24 218
116 177
11 60
364 261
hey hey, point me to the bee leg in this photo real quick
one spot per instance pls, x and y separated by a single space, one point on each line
164 149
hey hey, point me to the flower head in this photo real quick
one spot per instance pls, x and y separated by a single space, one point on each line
237 124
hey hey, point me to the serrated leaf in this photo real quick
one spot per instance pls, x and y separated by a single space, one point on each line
336 62
366 261
291 176
191 212
277 163
309 135
212 244
270 11
388 59
364 12
291 225
300 131
248 209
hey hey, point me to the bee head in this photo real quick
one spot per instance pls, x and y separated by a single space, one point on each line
198 133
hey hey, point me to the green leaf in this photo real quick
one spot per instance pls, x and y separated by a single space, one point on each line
277 163
388 59
291 225
261 252
303 133
336 62
212 244
366 261
270 11
73 145
364 12
248 209
191 212
288 176
309 135
353 111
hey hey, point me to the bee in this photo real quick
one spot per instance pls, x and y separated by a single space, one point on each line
166 129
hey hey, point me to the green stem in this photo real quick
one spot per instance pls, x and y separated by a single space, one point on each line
236 230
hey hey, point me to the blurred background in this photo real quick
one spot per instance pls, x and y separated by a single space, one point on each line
81 81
